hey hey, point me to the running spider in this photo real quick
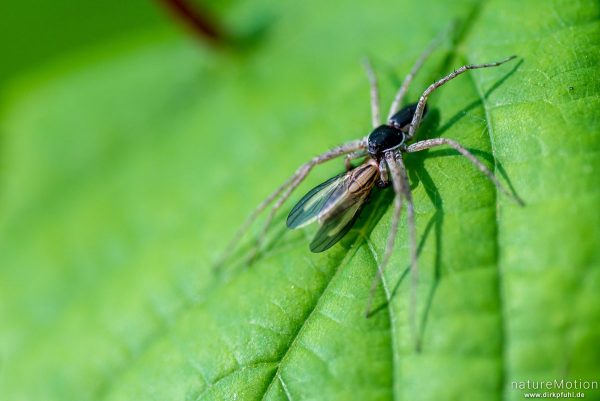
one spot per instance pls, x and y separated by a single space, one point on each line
336 203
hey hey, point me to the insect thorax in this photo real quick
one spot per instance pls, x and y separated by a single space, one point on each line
383 138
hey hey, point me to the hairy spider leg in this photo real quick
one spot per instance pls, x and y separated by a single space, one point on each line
401 187
290 184
354 155
412 239
417 117
246 225
383 174
431 143
299 176
411 75
375 114
391 240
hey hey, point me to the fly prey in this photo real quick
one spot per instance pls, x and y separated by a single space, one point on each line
336 203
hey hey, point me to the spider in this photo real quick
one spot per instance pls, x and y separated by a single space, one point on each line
336 203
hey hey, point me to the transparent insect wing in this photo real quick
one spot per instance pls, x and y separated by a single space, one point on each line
307 210
334 228
335 205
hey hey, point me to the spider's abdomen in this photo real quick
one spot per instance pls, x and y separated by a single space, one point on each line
402 119
383 138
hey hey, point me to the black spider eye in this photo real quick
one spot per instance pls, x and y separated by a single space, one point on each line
403 118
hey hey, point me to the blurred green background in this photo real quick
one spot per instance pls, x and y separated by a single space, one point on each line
35 32
131 149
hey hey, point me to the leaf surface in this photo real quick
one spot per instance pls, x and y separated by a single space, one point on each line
125 174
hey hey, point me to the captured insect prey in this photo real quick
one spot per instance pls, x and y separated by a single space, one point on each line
336 203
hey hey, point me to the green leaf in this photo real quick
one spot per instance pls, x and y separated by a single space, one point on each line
126 172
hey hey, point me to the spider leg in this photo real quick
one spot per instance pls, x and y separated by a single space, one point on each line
246 225
402 190
351 156
416 120
411 75
389 246
412 238
288 186
430 143
298 177
383 174
375 114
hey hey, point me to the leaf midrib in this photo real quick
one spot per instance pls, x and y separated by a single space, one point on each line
345 260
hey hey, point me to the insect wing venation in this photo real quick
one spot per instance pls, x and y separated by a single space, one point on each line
340 191
335 204
356 188
316 200
333 229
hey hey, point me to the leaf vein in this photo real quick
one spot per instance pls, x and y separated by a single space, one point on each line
303 325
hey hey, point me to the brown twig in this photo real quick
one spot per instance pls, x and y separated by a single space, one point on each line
196 19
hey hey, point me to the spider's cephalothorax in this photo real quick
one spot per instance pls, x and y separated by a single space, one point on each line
382 139
393 134
336 203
